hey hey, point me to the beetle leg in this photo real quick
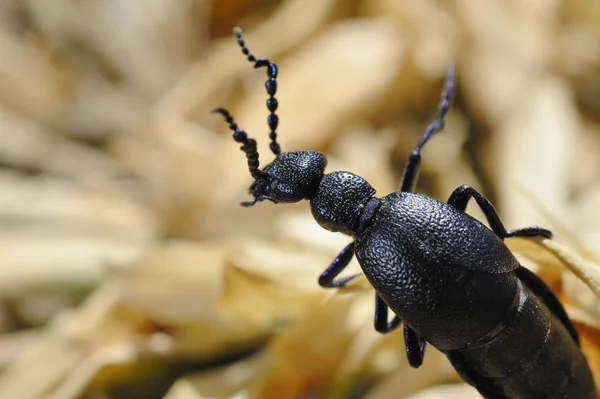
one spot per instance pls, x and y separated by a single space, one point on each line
460 198
532 231
411 169
327 278
415 347
381 317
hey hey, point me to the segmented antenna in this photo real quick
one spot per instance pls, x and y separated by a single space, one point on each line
271 86
438 123
248 144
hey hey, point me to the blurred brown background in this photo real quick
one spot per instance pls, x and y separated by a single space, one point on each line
128 268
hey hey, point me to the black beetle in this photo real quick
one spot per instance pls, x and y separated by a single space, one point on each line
446 276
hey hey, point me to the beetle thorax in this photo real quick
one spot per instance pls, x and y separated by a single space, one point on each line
340 200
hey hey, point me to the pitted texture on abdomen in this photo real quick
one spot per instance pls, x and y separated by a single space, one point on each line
440 271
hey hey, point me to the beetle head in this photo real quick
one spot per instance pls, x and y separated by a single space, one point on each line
291 177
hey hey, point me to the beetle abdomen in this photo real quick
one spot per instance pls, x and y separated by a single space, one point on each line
532 356
443 292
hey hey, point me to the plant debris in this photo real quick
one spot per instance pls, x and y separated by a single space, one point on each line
128 269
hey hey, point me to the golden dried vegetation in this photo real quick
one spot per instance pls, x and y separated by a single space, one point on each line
127 267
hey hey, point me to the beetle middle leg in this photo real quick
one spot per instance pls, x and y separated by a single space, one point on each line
414 344
381 317
327 278
460 198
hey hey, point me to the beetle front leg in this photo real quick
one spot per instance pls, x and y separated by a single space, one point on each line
460 198
381 317
327 278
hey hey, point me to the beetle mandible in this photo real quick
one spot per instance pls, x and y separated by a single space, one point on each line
450 280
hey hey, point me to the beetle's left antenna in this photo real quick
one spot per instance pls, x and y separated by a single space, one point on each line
411 170
248 144
271 86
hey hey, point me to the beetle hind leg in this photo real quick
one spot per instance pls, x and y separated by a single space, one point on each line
460 198
415 347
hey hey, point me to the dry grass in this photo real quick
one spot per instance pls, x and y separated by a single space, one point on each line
128 269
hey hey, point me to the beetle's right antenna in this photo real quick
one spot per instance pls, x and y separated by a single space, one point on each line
411 170
248 144
270 84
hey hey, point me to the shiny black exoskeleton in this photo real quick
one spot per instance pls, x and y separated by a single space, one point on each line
448 278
